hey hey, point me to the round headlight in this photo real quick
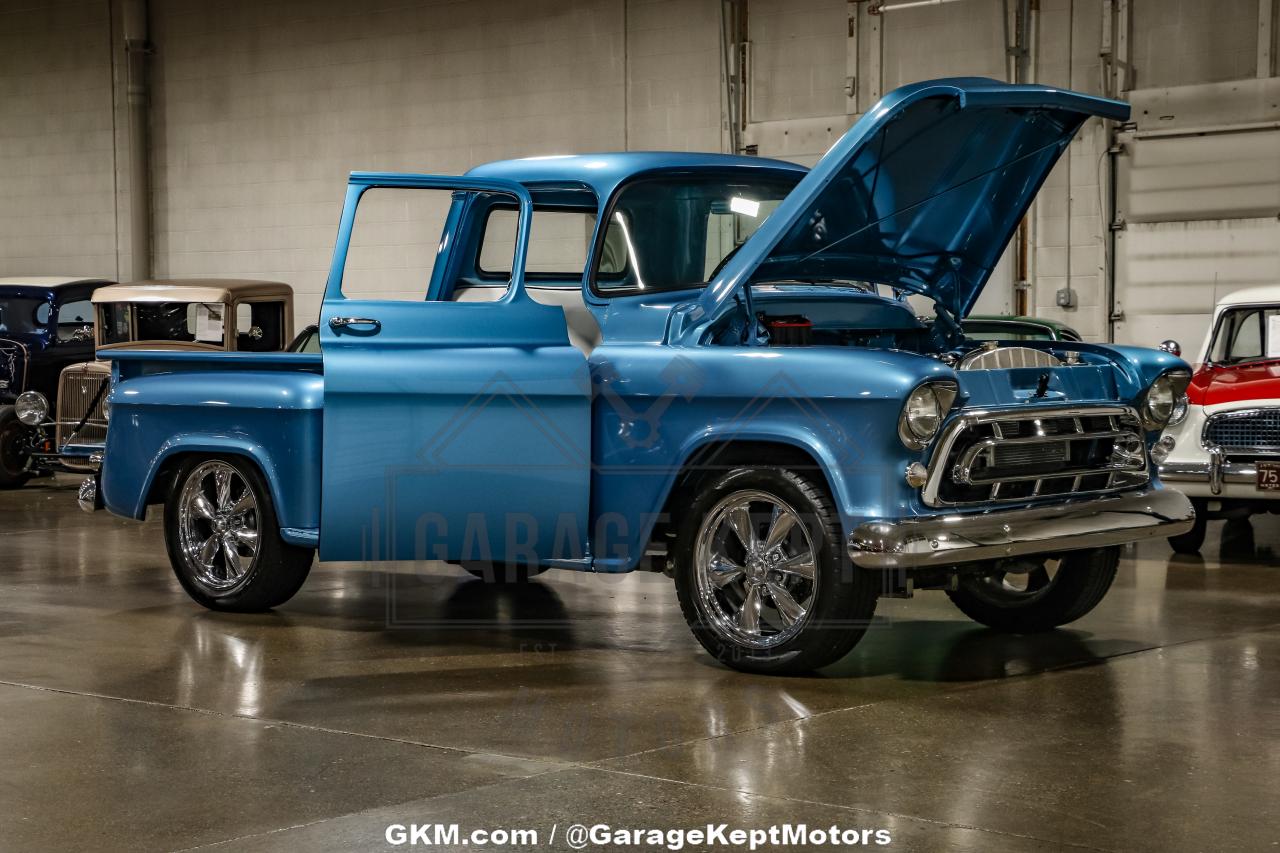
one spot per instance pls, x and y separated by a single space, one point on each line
31 408
106 409
921 417
1160 403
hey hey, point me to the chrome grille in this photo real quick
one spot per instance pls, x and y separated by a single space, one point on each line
1247 431
986 457
77 388
1005 358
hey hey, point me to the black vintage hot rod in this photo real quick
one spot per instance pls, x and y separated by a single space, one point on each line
46 325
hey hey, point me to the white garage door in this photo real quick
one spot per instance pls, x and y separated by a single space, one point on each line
1200 217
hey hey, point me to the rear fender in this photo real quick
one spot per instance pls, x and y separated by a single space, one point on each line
206 445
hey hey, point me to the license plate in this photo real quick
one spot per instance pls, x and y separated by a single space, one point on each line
1269 476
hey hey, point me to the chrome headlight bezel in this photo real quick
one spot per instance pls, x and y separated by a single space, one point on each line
1165 401
923 412
31 407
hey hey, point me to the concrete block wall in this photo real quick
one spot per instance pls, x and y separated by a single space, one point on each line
261 107
261 110
57 185
1072 212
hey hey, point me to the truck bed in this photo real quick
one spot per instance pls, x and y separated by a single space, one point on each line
267 407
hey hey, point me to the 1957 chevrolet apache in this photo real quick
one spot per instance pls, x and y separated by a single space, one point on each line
726 384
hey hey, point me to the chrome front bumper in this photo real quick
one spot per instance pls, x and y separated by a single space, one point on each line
1217 471
945 540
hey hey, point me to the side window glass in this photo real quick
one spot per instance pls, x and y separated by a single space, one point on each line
260 326
75 321
44 311
558 242
396 241
206 322
1247 342
116 322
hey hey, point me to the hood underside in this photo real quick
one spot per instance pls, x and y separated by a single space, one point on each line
923 193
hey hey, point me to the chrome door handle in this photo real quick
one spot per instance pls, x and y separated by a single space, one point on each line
344 322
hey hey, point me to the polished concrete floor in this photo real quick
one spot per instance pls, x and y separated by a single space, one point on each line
132 719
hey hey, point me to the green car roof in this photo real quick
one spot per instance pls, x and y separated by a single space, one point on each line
1060 329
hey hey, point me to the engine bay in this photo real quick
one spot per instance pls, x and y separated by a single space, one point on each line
842 316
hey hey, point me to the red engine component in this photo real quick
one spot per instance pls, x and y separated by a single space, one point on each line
789 331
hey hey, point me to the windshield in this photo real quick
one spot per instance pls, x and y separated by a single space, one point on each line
20 315
675 233
1246 334
988 331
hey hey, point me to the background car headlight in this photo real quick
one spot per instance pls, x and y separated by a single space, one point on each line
923 412
31 408
1164 399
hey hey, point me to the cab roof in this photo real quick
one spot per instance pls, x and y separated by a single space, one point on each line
1252 295
192 290
51 282
604 172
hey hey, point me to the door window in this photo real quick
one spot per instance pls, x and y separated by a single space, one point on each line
75 321
398 238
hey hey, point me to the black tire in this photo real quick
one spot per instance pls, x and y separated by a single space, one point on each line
502 572
14 473
1191 541
277 569
840 599
1081 581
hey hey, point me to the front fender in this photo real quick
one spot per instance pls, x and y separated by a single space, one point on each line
657 407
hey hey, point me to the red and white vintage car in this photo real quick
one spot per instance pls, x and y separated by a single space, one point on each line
1223 452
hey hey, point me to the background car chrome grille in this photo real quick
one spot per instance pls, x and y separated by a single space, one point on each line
1004 457
77 389
1251 431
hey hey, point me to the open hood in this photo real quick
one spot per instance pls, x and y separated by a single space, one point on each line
923 193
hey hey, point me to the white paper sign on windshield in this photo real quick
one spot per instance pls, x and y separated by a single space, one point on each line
1273 336
209 324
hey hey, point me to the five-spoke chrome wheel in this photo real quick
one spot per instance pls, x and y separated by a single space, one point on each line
756 569
218 526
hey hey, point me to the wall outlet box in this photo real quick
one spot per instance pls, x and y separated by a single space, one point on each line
1066 298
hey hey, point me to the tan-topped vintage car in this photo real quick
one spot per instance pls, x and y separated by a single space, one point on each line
198 314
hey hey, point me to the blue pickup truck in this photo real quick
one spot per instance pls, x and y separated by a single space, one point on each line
721 379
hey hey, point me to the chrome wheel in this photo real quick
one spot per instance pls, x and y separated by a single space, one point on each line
1022 582
218 526
756 570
